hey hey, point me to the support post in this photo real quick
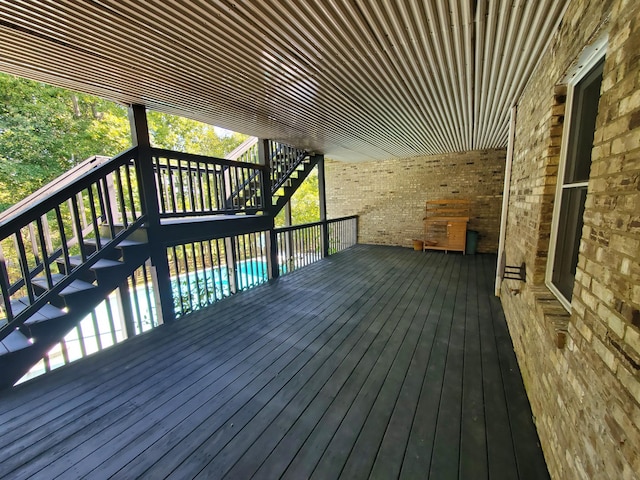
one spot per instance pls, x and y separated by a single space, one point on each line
505 200
288 238
123 295
149 199
264 157
230 259
322 199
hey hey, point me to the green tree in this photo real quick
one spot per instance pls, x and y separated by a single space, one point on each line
45 130
305 206
186 135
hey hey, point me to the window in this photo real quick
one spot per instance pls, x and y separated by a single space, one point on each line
573 176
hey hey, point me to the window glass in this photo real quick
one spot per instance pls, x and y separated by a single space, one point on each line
583 118
586 96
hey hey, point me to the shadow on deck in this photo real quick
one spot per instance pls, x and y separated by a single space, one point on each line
376 362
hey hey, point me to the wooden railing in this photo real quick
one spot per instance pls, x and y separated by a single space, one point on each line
125 313
301 245
284 160
39 242
60 233
205 272
191 185
247 152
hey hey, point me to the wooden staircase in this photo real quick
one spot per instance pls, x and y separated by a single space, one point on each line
290 175
50 323
75 241
288 168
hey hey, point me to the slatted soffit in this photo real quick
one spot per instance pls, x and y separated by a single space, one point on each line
354 79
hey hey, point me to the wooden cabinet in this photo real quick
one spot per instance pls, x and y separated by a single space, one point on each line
445 225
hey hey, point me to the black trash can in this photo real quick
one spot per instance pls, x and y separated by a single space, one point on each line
472 242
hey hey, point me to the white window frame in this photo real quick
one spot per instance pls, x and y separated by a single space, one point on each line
589 59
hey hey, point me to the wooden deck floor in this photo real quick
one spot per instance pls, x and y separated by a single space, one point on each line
378 362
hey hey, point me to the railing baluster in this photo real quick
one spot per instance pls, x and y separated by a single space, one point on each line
47 363
24 265
204 271
186 272
207 260
81 345
34 244
192 249
103 217
121 196
75 218
4 287
191 196
176 269
74 225
94 216
83 213
209 196
132 201
182 202
133 289
148 294
105 205
219 264
172 186
201 188
112 326
252 255
160 184
45 254
111 196
47 231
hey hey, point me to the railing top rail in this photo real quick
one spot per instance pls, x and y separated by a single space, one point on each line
242 148
160 152
52 187
312 224
57 194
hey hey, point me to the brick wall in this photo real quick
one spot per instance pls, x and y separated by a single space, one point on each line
389 196
582 370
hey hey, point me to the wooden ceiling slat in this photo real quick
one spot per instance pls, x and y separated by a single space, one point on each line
353 79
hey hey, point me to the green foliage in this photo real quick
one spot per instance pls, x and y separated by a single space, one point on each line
45 130
190 136
305 207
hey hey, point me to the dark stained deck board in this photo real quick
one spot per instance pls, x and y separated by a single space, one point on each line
473 440
328 352
123 398
129 392
517 404
296 419
222 388
191 444
377 362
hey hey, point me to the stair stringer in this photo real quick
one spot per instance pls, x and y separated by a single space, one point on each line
16 364
279 201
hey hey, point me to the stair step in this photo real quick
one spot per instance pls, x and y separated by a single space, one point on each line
74 287
126 243
46 312
13 342
138 235
99 265
126 249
